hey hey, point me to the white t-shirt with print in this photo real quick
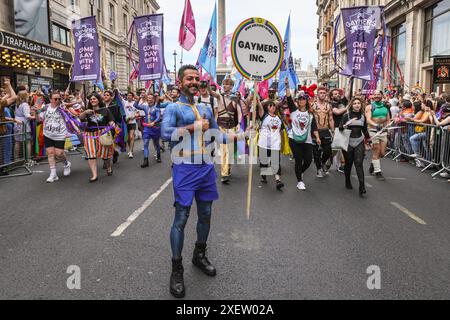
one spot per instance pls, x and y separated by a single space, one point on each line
301 123
130 111
55 127
269 134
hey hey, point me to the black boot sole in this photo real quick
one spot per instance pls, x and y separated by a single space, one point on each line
208 273
178 295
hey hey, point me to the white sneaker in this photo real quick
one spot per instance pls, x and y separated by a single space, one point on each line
52 179
301 186
414 155
419 164
130 155
67 169
320 173
445 175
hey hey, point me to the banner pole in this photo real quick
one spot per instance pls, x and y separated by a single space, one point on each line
252 150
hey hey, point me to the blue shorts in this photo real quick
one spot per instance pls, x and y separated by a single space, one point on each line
193 180
152 133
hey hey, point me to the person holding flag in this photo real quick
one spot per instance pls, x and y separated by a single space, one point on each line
303 128
100 121
110 103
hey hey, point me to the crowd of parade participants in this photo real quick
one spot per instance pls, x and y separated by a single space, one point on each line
300 125
203 125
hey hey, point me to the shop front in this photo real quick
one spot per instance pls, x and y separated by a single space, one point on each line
32 64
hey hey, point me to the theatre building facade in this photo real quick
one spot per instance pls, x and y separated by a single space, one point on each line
32 58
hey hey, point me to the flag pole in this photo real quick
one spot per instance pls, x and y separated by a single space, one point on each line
251 155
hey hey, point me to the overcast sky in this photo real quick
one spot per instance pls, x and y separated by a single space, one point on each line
303 24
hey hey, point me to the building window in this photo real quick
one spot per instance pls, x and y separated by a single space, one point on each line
111 16
125 23
437 24
60 35
112 59
399 51
97 10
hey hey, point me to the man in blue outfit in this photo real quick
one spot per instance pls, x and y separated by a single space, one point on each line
185 124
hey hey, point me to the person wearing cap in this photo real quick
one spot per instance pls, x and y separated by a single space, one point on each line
303 127
206 99
269 142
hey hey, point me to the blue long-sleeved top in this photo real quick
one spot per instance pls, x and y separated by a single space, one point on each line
152 114
180 115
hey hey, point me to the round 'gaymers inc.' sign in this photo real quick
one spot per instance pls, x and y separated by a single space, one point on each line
257 49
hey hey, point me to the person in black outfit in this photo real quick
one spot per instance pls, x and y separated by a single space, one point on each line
355 121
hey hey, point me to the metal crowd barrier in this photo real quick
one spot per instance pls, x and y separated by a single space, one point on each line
445 155
428 144
13 150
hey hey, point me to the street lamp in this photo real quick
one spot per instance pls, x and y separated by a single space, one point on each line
175 62
91 2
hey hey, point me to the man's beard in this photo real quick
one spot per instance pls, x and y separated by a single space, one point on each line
187 90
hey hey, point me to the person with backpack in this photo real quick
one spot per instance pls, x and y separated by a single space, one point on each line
229 117
303 127
207 100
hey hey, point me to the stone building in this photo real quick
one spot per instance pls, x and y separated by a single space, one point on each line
419 31
114 18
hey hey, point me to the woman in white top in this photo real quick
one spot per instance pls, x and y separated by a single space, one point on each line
55 133
300 133
269 143
130 115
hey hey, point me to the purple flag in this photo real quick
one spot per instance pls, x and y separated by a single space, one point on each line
150 38
86 66
360 25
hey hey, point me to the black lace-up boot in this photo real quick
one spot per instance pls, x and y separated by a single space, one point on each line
176 279
201 261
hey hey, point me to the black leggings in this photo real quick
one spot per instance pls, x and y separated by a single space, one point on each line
356 156
323 152
303 155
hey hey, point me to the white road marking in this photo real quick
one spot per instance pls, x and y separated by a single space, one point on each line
368 185
139 211
387 178
409 213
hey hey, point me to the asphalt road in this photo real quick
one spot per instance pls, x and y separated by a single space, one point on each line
316 244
